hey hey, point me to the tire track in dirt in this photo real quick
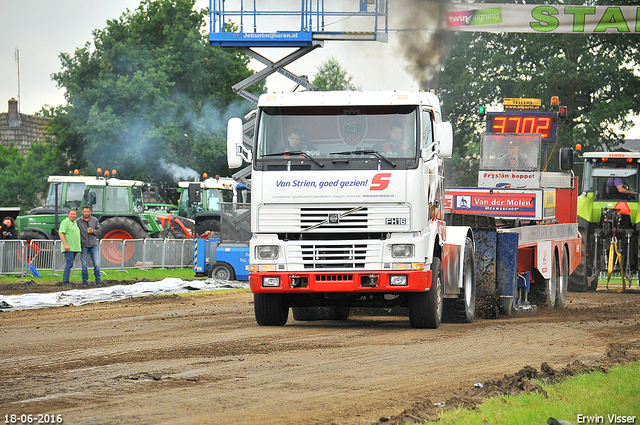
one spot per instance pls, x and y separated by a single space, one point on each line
202 359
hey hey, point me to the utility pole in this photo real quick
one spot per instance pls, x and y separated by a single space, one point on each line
17 55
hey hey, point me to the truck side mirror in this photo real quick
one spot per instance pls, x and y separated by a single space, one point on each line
444 139
234 142
566 159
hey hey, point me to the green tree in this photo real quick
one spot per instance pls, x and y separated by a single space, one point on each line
332 76
23 180
149 90
593 75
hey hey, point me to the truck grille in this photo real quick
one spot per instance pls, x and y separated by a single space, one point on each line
309 255
310 217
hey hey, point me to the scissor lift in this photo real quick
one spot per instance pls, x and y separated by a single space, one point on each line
309 30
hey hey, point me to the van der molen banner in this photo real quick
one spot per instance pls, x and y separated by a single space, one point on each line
535 18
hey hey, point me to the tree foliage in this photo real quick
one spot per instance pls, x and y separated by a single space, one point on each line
150 91
22 179
592 74
332 76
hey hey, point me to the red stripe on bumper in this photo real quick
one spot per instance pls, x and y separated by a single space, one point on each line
343 281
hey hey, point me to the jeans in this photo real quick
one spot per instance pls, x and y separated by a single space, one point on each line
95 257
69 256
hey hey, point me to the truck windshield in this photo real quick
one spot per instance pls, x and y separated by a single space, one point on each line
329 133
510 152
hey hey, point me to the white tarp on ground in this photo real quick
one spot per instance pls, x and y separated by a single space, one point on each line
114 293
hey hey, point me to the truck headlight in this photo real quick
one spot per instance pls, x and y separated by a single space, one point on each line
398 280
402 251
272 281
267 252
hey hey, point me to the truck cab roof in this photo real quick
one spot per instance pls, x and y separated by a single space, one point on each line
355 98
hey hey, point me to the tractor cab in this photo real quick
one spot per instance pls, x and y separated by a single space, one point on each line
611 179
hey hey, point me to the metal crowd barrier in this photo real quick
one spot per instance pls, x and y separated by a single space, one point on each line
18 257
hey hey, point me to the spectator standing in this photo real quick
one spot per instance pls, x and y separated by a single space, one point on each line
70 237
89 232
9 230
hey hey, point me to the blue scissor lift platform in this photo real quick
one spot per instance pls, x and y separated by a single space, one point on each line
253 27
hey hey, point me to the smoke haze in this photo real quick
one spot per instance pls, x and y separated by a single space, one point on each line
177 172
422 44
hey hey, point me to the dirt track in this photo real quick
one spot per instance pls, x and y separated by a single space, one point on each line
202 359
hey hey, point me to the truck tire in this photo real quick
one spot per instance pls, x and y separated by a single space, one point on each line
578 279
271 309
464 307
122 228
548 290
309 314
561 295
222 271
425 308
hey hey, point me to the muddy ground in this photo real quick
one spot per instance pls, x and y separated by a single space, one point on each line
199 359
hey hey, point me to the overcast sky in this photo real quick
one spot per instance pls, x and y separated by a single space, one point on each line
41 30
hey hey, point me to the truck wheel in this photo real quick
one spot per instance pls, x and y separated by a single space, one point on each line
561 295
340 313
222 271
425 308
465 304
308 314
271 309
550 288
121 228
578 279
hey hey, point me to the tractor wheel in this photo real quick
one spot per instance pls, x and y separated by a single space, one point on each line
561 295
32 246
212 226
222 271
271 309
120 228
578 279
425 308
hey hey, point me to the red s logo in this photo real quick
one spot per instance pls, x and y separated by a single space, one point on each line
380 181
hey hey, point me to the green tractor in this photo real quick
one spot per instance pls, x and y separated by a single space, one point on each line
205 201
608 218
117 204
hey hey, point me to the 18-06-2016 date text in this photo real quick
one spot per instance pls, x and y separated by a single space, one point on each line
27 418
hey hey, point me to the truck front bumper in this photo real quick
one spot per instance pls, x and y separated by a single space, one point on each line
365 281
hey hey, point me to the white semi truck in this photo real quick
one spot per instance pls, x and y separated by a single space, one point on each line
350 213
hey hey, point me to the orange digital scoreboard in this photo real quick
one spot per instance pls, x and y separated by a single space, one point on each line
528 122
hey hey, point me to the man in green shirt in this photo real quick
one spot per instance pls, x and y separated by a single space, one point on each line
70 237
